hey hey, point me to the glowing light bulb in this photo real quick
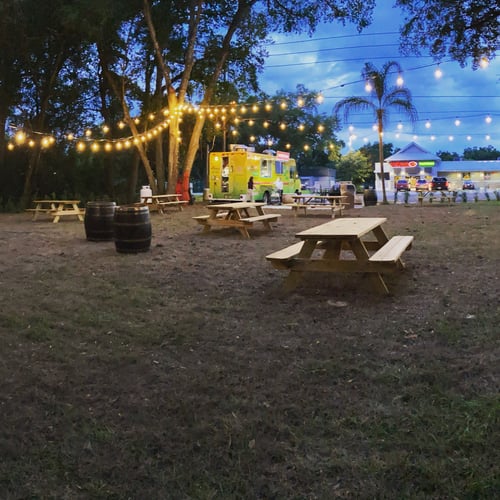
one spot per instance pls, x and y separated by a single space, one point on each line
488 119
484 63
438 73
368 87
428 124
457 122
20 137
399 81
400 126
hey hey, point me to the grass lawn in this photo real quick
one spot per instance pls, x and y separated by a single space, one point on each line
186 373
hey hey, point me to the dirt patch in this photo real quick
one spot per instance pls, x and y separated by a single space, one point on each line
187 372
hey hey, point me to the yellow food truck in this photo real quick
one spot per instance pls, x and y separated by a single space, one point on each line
230 171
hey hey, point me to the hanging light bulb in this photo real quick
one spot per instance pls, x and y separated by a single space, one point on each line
438 73
488 119
451 138
20 137
469 138
484 63
488 137
399 81
368 86
320 98
428 124
400 126
457 122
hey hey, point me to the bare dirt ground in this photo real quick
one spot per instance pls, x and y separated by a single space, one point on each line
186 372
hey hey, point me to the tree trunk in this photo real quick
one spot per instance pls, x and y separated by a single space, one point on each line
381 160
160 167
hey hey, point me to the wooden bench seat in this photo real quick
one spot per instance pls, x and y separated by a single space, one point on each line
203 218
393 249
179 202
268 217
335 209
280 258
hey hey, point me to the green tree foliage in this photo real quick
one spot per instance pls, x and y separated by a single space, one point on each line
355 167
371 151
455 28
289 121
383 98
483 153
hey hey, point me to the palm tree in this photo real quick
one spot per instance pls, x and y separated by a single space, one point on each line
382 97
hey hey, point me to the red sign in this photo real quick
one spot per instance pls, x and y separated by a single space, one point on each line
404 163
282 155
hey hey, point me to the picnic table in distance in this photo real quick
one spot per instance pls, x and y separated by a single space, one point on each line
236 215
160 202
57 209
313 201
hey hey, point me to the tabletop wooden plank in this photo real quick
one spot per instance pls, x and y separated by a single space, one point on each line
347 228
234 206
70 202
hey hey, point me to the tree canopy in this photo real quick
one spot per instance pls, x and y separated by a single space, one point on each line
452 28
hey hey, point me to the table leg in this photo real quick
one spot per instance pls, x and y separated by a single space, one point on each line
36 212
294 277
359 250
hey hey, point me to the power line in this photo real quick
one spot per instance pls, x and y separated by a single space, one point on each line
348 47
337 37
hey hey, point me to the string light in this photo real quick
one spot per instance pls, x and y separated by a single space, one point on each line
438 73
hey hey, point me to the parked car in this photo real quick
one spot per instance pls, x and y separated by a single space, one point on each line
422 185
439 184
402 185
468 185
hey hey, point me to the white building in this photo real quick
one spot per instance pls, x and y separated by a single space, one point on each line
414 162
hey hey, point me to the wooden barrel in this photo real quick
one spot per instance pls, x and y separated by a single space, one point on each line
370 197
132 227
99 219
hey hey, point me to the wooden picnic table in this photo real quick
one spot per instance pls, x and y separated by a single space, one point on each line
159 202
57 209
348 245
236 215
312 201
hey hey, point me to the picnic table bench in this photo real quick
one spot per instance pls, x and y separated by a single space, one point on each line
335 204
236 215
321 250
160 202
57 209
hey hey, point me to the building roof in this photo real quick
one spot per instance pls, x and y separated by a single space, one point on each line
413 152
470 166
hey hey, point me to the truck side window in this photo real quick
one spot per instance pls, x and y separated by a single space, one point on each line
279 167
265 170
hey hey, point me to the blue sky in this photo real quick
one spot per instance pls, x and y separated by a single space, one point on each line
459 110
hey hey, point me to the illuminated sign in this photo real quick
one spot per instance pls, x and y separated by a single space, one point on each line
399 164
282 155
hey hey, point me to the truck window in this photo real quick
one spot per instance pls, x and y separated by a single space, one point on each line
265 168
279 167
